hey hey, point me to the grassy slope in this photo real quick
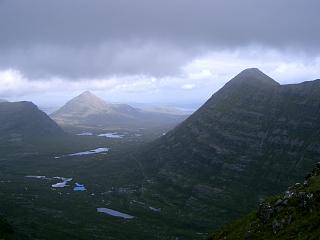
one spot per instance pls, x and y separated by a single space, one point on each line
293 215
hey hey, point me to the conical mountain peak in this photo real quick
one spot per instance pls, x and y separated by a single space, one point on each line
84 104
88 97
254 76
87 93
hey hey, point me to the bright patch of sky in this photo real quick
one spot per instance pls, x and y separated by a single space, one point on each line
195 81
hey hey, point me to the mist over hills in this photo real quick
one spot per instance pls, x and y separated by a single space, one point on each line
88 110
252 138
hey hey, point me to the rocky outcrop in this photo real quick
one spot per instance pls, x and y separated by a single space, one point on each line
295 214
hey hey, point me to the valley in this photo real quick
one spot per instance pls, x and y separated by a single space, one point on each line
38 208
159 120
181 180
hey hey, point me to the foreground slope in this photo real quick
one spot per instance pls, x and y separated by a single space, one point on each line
251 139
89 111
292 215
23 120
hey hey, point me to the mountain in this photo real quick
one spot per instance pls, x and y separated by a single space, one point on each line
250 140
23 120
294 214
88 110
3 100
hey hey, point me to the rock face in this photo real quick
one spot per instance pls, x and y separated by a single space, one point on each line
249 140
25 120
88 110
295 214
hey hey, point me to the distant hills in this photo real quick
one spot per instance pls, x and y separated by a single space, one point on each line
252 138
23 120
168 110
3 100
89 111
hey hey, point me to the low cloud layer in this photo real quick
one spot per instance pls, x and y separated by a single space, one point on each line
151 50
195 81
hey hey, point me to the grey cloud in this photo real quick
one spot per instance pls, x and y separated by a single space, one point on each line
97 61
77 38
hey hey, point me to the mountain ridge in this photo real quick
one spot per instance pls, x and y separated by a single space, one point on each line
226 155
254 74
24 119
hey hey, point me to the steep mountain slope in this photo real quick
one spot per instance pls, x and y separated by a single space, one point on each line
87 110
251 139
23 120
292 215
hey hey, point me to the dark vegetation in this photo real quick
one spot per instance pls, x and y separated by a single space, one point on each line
6 231
294 214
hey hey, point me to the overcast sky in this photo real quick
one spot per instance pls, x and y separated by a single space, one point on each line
176 52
